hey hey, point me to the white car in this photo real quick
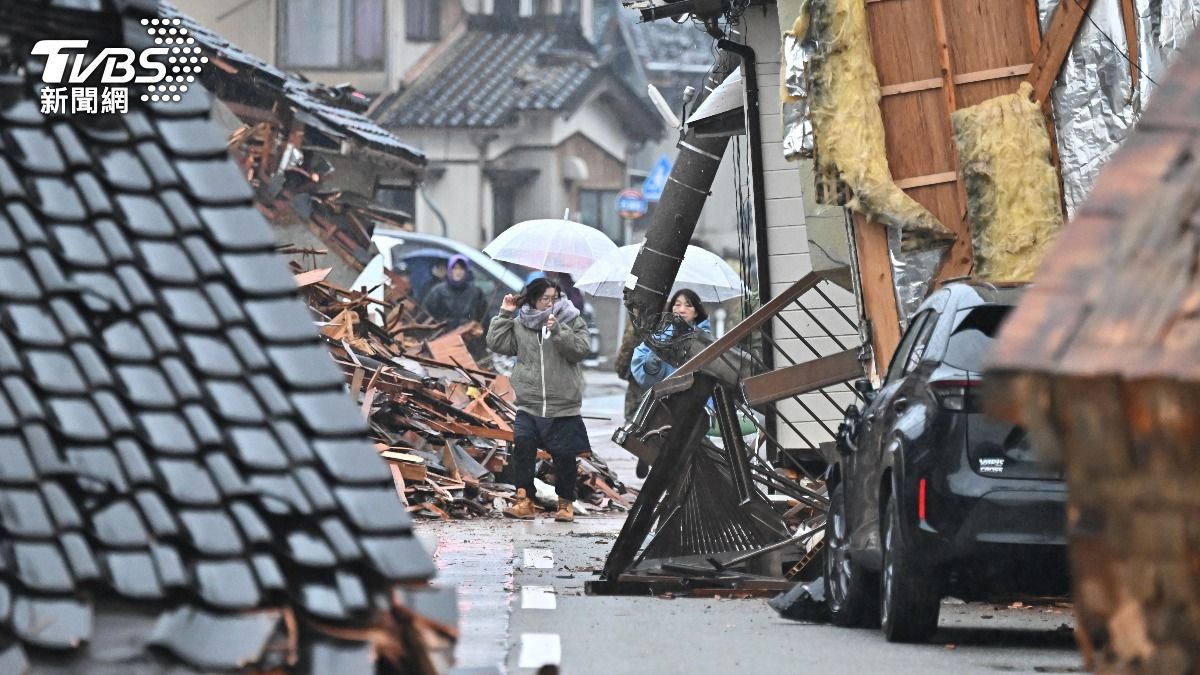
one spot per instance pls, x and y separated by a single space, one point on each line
420 250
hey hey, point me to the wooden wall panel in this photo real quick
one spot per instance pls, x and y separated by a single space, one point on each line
988 49
986 34
902 54
946 202
978 92
934 57
917 128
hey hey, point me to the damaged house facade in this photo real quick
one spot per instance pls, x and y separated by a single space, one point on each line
315 160
512 105
884 169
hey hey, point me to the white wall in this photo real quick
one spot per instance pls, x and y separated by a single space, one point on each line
253 27
459 195
250 26
788 246
598 122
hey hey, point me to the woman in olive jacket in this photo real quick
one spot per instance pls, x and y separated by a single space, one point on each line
549 338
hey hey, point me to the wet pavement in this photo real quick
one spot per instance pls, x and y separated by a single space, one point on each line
522 605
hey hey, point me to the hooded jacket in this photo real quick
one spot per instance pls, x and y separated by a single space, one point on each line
456 303
647 368
547 378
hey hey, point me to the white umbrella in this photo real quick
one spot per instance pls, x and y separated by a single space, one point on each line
702 271
551 245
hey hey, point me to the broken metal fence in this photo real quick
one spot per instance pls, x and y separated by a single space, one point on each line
711 503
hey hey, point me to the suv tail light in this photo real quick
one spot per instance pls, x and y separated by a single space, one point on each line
954 395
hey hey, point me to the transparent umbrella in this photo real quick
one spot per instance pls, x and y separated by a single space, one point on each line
701 270
551 245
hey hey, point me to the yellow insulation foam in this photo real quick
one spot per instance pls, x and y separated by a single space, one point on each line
848 126
1013 203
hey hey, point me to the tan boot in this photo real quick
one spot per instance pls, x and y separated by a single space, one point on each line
523 508
566 511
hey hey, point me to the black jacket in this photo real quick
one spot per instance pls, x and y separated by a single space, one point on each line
456 306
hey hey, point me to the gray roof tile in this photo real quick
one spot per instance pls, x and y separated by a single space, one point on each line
496 69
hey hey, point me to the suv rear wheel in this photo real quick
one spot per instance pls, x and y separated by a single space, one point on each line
910 598
850 590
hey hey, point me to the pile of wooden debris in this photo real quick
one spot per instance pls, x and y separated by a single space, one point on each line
441 419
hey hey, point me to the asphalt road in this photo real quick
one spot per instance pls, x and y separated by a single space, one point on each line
522 605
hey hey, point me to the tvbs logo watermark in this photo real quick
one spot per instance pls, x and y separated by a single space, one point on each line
165 71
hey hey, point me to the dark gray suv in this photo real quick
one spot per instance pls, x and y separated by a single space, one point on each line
930 496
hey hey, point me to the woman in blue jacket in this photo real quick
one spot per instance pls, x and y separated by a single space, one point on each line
647 368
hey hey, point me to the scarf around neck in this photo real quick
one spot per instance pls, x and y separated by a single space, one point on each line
533 319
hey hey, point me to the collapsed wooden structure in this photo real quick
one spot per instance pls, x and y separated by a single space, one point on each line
442 422
184 485
314 159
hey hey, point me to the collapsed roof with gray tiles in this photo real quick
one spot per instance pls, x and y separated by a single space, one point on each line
184 484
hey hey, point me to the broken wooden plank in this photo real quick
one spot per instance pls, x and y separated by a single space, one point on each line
1064 26
451 349
312 276
412 471
398 479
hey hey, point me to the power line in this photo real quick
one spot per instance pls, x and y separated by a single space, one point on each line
1113 42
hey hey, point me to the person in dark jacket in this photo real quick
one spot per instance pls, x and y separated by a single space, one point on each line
549 338
457 300
567 283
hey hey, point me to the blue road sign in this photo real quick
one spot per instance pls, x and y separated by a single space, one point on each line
652 187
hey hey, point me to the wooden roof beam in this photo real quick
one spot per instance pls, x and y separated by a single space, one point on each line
1129 18
1064 26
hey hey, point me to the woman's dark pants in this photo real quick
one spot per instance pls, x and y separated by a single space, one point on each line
563 437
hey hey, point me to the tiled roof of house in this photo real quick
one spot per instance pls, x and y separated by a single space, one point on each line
184 483
495 69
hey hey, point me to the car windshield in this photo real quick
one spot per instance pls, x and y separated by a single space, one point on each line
420 254
974 331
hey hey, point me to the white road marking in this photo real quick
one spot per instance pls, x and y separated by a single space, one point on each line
540 649
538 597
539 558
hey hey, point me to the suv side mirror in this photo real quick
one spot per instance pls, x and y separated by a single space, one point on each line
863 386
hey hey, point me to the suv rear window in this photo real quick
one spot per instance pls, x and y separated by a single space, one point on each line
974 331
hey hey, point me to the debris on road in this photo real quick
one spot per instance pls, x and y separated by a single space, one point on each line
805 602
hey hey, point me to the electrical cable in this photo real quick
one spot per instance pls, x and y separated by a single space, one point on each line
1113 42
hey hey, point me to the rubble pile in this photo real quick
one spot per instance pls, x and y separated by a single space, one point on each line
441 420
